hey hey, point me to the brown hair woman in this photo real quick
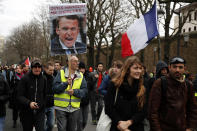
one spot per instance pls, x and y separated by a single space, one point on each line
128 111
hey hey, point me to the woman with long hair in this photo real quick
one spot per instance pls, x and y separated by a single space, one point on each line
128 111
115 69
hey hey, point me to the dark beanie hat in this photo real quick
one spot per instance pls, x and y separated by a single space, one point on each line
81 65
36 62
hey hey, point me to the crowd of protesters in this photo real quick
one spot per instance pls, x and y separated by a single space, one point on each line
47 93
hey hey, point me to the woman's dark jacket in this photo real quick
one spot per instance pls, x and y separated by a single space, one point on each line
50 94
126 106
32 88
13 85
4 95
85 100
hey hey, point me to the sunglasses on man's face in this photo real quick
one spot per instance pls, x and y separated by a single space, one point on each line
37 66
177 60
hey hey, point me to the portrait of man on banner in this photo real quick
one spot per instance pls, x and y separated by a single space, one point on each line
68 35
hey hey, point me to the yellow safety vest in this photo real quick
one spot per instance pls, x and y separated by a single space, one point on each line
195 94
63 99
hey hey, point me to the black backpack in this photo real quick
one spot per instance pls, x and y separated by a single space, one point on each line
164 86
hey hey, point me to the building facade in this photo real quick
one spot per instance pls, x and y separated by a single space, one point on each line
189 12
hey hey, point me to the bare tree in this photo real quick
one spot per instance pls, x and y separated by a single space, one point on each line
115 26
169 9
9 55
185 1
26 40
43 21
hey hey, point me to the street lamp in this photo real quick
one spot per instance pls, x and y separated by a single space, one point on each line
160 12
155 49
186 38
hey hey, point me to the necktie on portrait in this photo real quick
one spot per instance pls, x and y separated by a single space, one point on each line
68 52
72 51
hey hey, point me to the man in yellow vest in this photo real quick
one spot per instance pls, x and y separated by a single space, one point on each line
68 94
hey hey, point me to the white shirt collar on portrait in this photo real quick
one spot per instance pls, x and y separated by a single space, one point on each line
64 47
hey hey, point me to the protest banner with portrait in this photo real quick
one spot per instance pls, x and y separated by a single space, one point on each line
68 28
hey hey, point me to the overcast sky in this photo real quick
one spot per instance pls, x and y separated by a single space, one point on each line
14 13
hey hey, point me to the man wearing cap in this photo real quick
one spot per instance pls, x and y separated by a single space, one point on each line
173 107
31 95
68 93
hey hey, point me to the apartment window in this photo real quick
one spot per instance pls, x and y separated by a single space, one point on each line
194 28
183 30
189 29
190 17
195 15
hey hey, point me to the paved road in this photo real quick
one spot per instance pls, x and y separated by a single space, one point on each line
9 123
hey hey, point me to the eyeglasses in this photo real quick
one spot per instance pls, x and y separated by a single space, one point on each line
177 60
37 66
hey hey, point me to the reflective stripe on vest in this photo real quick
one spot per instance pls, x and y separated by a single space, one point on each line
63 99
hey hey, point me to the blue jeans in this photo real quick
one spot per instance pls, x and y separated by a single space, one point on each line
2 122
49 118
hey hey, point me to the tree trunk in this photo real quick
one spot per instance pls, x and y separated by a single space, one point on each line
111 57
142 56
91 52
167 37
98 53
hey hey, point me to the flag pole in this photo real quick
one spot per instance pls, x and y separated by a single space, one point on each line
69 69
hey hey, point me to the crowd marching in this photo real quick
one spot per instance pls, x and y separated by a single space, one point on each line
46 94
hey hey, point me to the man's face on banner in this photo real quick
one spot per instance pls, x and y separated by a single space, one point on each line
68 31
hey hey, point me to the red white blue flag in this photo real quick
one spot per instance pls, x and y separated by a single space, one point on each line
140 33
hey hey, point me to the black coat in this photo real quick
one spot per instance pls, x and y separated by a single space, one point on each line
50 94
4 95
26 92
13 86
126 106
85 100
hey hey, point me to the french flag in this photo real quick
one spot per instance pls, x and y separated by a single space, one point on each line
140 33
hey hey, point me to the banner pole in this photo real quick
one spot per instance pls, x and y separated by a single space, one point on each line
69 69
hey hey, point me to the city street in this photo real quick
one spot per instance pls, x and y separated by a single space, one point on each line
9 123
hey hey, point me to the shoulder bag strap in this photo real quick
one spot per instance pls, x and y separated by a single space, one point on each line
116 95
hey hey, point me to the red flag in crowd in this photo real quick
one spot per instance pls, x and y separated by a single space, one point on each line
27 62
